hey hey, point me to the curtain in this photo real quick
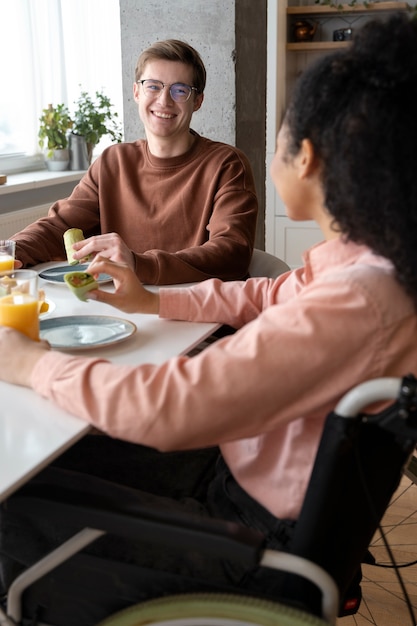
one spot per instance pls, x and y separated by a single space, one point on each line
51 50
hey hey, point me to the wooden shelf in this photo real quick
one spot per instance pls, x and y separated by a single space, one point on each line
288 60
309 46
319 9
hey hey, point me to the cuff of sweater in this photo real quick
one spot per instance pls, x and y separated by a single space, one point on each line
146 268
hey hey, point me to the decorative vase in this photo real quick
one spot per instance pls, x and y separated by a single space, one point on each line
57 160
79 157
304 31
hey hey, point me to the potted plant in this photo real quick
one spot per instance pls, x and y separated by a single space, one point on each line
93 119
55 122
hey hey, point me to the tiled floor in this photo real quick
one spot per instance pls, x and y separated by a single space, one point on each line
383 601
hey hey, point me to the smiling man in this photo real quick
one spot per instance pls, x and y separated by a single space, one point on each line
175 207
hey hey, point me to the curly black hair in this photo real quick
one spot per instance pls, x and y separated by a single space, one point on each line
358 107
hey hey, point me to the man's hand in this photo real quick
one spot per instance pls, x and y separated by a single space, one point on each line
109 246
129 296
19 356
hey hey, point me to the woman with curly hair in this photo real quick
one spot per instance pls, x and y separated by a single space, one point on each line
247 413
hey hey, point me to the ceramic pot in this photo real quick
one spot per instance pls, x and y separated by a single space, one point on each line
57 160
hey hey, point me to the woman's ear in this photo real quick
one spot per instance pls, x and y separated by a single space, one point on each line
307 160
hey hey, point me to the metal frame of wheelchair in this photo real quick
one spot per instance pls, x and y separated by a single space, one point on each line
345 459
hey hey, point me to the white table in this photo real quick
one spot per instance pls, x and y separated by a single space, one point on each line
33 431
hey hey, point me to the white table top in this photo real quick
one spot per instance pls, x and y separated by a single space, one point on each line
32 430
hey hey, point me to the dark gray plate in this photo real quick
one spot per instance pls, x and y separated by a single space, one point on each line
56 274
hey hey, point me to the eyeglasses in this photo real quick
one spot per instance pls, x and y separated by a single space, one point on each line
179 92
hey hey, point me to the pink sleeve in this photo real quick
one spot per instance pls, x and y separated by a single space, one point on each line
235 303
280 357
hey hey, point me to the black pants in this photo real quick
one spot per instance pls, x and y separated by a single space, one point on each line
196 481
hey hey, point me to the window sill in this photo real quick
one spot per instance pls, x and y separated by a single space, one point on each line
36 188
27 181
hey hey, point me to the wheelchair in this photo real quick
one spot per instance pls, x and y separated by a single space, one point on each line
359 464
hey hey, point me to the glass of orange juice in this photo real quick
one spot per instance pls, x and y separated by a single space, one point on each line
19 302
7 254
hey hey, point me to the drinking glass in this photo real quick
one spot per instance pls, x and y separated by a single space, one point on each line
7 254
19 297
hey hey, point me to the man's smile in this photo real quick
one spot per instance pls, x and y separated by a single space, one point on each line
165 116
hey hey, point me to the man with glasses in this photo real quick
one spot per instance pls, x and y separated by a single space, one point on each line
175 207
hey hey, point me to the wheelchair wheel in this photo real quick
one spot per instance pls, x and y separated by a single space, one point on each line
211 610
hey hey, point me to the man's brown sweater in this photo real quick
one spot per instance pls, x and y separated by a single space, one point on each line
186 218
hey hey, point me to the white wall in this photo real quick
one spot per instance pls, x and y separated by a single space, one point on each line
209 26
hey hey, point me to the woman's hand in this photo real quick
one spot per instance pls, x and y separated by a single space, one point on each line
109 246
19 356
129 295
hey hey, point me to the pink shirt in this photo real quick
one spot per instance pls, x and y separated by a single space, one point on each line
262 394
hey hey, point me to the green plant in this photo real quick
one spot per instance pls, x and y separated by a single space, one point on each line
55 122
94 118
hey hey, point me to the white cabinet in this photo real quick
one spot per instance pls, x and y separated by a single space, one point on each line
292 238
286 59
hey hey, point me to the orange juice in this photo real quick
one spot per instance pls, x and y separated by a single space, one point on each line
6 262
20 311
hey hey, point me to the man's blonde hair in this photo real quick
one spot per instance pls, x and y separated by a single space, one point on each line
174 50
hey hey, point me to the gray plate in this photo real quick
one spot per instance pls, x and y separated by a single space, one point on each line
56 274
81 332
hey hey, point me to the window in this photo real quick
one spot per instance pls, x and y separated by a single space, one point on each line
51 50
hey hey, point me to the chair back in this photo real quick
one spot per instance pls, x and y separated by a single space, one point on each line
265 264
